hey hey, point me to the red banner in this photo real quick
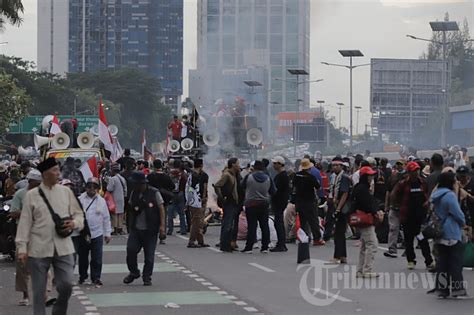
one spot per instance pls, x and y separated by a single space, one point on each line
286 120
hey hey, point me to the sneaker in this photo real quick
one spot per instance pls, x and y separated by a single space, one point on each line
130 278
359 274
319 243
411 265
81 281
97 283
169 233
192 245
50 302
23 302
264 251
370 275
459 293
443 294
334 261
278 249
203 245
390 254
431 267
343 260
246 251
147 282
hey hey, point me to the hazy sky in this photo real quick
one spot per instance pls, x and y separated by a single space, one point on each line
376 27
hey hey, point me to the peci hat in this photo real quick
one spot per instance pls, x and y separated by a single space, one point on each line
306 164
412 166
367 170
278 159
47 164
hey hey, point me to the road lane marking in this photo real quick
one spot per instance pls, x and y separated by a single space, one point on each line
206 283
182 237
231 297
250 309
337 297
214 288
382 248
240 303
261 267
222 292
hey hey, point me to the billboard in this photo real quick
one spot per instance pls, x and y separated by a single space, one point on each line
32 124
286 121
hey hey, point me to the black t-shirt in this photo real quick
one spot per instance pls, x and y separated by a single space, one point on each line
160 180
416 200
305 186
282 184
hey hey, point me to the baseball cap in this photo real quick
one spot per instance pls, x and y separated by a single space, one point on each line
463 170
366 170
371 161
412 166
278 159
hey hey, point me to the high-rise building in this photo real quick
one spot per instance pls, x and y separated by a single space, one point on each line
98 35
273 34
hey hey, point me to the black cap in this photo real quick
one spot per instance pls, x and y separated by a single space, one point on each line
47 164
463 170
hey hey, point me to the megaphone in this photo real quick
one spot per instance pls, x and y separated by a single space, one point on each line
254 136
94 130
113 129
61 141
41 141
187 144
211 138
85 140
46 121
174 146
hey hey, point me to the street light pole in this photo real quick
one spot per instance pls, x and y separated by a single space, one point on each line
340 111
358 108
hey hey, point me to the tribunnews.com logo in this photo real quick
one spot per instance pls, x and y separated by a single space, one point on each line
321 284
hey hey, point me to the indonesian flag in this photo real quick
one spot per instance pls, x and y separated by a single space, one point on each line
300 233
89 169
55 129
104 133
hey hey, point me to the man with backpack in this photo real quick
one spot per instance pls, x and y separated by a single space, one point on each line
196 201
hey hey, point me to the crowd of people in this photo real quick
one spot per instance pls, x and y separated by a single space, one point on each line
65 219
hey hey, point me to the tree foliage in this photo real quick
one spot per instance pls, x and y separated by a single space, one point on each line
10 11
14 102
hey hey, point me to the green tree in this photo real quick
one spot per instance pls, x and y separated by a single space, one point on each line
10 11
14 102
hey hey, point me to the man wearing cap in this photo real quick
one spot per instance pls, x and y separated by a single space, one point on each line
40 245
280 201
146 218
413 194
117 186
22 274
306 202
98 220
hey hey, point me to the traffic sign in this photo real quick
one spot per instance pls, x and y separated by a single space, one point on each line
32 124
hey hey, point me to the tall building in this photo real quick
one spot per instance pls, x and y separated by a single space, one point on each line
273 34
98 35
404 93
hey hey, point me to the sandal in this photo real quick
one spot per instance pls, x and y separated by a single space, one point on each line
24 302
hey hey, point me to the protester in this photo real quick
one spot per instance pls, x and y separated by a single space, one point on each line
196 200
258 188
69 171
38 241
117 186
146 219
22 275
179 178
466 185
363 200
126 159
341 202
226 189
279 201
10 182
98 220
436 167
449 247
412 192
175 126
306 186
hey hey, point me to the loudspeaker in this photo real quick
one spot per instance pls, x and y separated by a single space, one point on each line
41 141
85 140
187 144
174 146
254 136
61 141
211 138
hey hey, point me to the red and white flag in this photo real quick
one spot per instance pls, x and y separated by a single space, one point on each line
55 129
104 133
89 169
300 233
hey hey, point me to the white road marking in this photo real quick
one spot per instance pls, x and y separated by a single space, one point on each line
200 280
187 271
222 292
181 268
468 268
193 276
182 237
337 297
251 309
217 250
261 267
206 283
82 297
92 314
230 297
91 308
86 302
382 248
240 303
78 292
214 288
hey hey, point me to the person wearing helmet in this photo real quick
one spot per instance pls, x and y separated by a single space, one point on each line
413 194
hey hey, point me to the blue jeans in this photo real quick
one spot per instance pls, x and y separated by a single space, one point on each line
96 250
177 207
227 225
138 239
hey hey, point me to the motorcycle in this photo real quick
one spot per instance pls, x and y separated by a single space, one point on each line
7 229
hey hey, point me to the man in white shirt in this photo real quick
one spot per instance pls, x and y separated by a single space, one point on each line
117 186
38 241
98 220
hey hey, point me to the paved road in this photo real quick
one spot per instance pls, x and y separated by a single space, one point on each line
205 281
